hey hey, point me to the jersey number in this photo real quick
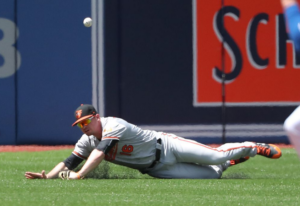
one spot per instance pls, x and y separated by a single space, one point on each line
126 150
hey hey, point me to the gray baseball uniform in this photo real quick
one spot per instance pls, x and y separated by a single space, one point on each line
160 154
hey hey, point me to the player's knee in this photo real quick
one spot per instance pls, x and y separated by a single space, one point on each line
286 125
291 125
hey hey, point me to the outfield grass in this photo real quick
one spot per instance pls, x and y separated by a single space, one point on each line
259 181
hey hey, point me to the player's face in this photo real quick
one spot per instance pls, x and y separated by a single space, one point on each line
86 125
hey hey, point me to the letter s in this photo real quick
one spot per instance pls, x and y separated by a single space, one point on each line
229 44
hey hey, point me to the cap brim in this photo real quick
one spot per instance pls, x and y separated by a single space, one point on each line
81 119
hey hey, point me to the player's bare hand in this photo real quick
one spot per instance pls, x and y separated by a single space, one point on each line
33 175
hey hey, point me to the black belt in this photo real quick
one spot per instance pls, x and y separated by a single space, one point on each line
157 154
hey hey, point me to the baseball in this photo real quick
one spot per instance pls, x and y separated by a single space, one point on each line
87 22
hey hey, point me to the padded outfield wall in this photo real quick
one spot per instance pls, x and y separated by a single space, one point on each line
157 64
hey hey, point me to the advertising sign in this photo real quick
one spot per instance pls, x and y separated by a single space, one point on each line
249 42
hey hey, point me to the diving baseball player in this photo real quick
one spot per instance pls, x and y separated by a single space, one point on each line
157 154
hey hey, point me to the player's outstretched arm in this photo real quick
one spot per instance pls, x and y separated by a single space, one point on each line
52 174
92 162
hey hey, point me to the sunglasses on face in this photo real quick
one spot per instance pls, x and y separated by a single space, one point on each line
85 122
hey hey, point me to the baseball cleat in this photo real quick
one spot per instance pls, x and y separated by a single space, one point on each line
234 162
268 150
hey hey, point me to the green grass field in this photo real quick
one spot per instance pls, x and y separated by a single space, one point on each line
259 181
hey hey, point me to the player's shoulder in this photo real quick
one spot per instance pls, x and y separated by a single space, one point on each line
113 125
113 122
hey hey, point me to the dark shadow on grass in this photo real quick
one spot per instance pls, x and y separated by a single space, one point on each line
236 176
103 171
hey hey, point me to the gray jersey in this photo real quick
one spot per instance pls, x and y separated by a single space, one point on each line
135 148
